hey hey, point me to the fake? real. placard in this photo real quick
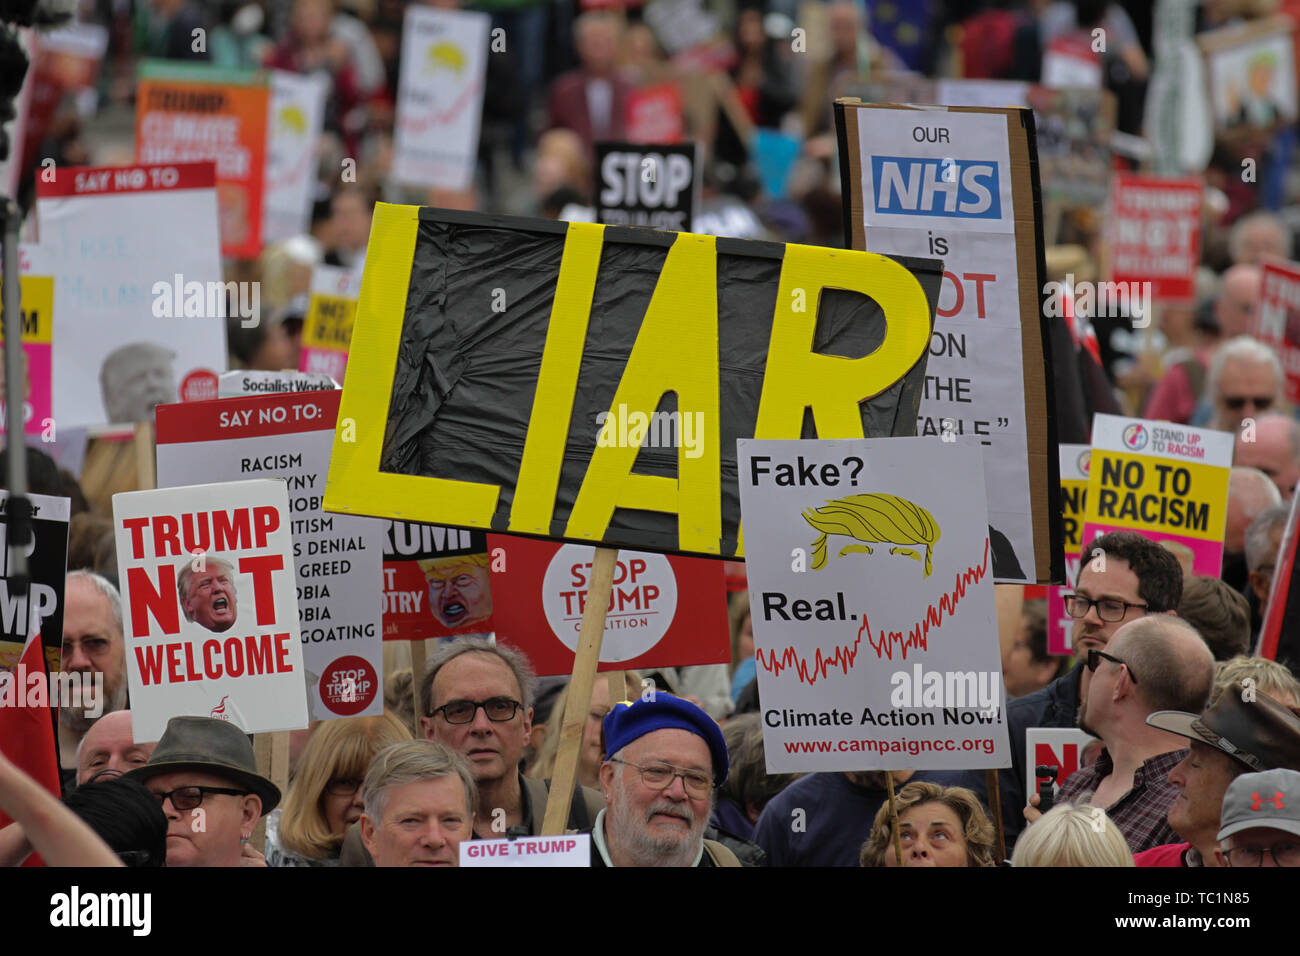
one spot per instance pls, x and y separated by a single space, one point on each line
231 649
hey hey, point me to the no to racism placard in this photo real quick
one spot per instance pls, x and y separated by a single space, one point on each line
962 184
588 382
436 582
871 591
337 558
1279 319
664 611
327 327
642 186
125 240
192 112
231 650
440 97
1155 234
1074 495
1167 481
36 282
47 563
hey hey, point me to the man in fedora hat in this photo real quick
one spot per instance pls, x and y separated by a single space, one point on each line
205 776
1244 730
1261 820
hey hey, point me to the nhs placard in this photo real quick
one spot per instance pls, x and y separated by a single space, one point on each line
920 186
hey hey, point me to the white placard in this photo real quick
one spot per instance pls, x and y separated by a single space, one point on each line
240 658
938 184
338 558
871 588
440 97
571 849
295 115
124 242
1053 747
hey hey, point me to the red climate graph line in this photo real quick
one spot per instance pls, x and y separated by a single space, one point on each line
918 636
845 654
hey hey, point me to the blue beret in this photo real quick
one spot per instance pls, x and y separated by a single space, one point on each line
631 721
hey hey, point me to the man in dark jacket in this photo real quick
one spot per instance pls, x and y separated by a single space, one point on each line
1122 577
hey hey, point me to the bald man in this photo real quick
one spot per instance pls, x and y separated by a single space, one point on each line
108 748
1154 663
1238 301
1250 493
1274 450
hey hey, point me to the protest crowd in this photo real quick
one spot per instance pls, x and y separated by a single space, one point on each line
414 690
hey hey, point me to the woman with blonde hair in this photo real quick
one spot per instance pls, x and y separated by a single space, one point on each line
591 755
324 797
1070 835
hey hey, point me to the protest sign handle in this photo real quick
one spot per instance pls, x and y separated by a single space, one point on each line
579 697
893 818
617 687
995 807
417 676
144 452
262 754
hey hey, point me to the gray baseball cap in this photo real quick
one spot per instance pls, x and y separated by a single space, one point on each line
1268 800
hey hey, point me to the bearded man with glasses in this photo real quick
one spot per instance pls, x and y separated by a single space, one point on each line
666 757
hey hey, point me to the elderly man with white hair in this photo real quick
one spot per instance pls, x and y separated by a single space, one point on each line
1245 382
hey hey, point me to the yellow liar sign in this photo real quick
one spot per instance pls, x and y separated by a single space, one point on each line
676 350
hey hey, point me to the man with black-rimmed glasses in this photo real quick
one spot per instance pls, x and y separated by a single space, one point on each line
205 777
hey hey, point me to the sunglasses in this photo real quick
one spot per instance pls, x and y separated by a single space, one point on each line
1095 658
1237 402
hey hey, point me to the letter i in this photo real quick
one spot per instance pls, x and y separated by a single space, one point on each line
930 238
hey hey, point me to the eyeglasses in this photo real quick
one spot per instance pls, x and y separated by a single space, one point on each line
342 788
1095 658
1238 402
1284 854
1109 610
498 709
660 776
187 798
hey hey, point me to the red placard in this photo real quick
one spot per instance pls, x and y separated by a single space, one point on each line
665 611
1155 234
1279 319
436 582
654 115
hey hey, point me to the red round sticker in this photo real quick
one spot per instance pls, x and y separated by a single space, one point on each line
349 685
199 386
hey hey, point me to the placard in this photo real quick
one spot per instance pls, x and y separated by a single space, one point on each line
569 849
233 651
337 558
1060 747
962 183
191 112
436 582
327 327
36 281
294 119
1169 482
637 186
664 610
1279 320
871 592
1074 495
47 565
479 402
1155 234
440 97
127 243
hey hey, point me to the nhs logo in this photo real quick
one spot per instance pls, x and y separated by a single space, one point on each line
954 188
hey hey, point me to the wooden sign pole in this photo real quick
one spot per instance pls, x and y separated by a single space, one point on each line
893 819
579 696
418 657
